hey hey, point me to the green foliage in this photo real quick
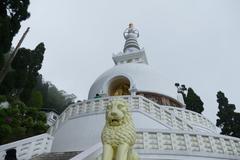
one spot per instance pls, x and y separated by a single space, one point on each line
5 132
236 126
3 98
19 121
5 36
58 99
21 87
53 98
36 99
1 60
193 101
229 120
23 77
12 13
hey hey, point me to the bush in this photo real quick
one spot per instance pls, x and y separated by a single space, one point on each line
20 121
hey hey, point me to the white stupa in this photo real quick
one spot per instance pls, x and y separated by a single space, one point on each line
165 129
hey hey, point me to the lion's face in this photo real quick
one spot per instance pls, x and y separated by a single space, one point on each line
116 113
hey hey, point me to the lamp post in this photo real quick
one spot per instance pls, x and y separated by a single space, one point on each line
180 92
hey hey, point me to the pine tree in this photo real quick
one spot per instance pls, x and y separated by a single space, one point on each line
191 99
236 126
229 120
21 80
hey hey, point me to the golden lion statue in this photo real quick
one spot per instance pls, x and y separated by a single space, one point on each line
118 135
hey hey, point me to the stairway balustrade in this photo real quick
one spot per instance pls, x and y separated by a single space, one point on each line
171 117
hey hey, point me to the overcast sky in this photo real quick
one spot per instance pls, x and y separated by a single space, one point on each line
194 42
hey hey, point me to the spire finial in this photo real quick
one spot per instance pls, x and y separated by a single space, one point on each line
130 25
131 34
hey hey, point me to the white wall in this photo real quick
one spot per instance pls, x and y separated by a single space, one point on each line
82 132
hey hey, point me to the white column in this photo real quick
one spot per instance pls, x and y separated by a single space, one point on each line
145 140
234 147
160 141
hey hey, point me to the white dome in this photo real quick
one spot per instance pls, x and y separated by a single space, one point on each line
142 76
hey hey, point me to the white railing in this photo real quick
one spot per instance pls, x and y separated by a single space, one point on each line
153 141
90 154
193 117
29 147
195 120
137 103
166 115
178 144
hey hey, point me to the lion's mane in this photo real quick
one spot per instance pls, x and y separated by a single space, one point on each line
125 133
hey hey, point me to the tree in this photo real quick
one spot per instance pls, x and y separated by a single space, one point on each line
20 121
35 63
36 99
22 78
58 99
23 117
191 99
12 13
236 126
229 120
53 98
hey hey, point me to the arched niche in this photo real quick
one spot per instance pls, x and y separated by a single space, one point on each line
119 86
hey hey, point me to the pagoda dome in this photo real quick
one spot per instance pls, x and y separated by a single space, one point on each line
139 75
132 75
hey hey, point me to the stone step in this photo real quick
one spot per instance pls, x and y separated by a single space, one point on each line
57 156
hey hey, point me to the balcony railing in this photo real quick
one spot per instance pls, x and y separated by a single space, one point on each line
171 117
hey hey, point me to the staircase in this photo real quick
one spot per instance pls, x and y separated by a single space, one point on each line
137 103
29 147
57 156
171 117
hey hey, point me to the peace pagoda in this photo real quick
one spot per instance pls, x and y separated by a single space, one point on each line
165 130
